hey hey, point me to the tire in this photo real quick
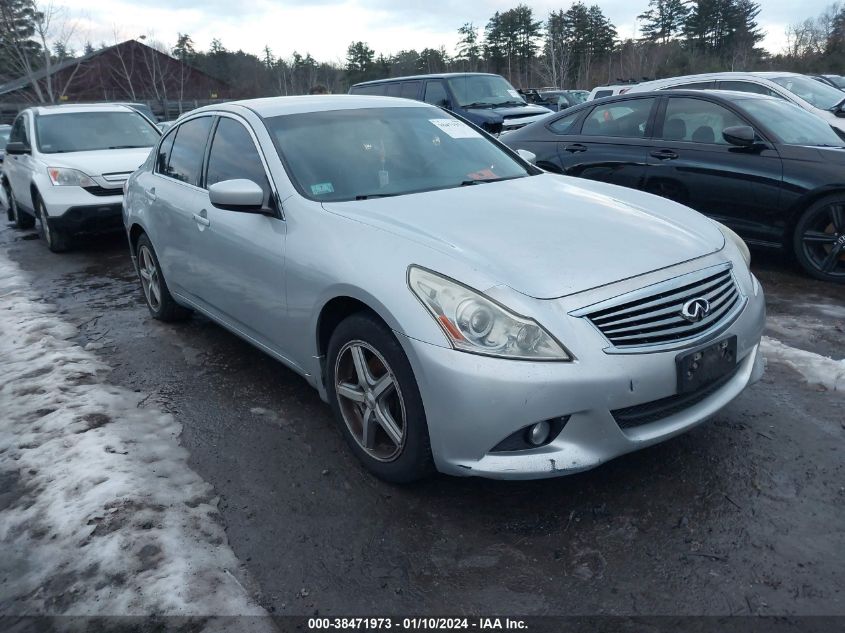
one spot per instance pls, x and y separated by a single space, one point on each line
160 302
380 412
57 241
818 240
21 218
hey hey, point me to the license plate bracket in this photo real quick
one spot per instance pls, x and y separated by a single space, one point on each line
706 364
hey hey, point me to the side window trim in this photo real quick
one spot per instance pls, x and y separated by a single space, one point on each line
268 173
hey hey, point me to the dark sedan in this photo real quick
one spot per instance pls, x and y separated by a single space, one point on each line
768 169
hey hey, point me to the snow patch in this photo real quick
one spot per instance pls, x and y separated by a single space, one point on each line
816 369
106 517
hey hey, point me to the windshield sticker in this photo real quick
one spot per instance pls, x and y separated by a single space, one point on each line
322 188
514 94
455 128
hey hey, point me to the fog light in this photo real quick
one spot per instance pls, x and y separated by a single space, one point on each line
539 433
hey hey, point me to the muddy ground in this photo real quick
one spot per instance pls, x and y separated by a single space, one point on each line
743 515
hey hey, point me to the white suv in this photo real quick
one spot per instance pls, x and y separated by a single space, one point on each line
825 101
65 167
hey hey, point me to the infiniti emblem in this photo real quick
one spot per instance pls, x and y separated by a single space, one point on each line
695 309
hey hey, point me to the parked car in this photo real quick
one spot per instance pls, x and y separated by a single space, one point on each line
457 307
66 167
813 96
4 138
837 81
143 108
487 100
556 100
768 169
600 92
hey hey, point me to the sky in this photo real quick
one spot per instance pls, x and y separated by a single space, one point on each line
325 28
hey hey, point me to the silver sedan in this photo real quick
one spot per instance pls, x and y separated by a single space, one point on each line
459 309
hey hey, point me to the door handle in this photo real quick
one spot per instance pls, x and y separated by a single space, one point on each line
202 220
151 194
575 147
664 154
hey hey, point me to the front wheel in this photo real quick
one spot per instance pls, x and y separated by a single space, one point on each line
57 241
21 219
819 239
376 401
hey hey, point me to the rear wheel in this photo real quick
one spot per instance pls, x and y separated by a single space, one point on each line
56 240
819 239
376 401
160 302
21 219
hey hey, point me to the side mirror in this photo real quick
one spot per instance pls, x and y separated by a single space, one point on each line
444 103
236 195
17 148
839 110
739 135
528 157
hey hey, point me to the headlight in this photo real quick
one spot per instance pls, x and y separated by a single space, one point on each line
474 323
63 176
736 239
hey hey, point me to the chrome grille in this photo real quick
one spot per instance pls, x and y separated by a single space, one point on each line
652 315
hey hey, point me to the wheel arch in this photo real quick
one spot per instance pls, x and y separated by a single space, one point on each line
334 309
135 232
802 204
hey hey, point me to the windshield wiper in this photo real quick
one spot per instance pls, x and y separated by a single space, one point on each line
367 196
513 103
479 104
126 146
482 181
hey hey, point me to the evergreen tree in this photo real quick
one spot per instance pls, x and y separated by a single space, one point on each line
469 48
664 20
360 62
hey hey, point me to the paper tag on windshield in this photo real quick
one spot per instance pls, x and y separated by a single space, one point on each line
455 128
514 94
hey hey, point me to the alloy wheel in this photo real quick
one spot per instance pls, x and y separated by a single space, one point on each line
370 400
150 278
823 240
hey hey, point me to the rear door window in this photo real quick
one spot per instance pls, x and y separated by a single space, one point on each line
394 89
628 119
410 89
696 85
188 150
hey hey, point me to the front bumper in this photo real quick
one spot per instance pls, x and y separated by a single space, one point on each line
473 402
74 210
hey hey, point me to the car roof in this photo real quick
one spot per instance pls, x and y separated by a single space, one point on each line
722 75
421 77
277 106
79 107
726 95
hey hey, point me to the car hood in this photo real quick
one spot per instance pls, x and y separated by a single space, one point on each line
509 112
545 236
99 162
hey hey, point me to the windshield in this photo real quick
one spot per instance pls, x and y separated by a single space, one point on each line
344 155
484 90
793 125
87 131
837 80
814 92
